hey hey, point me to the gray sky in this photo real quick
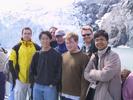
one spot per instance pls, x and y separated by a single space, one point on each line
18 5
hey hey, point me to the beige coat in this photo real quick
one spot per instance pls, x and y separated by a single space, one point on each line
108 75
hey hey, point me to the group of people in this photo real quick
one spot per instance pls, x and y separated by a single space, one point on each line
59 68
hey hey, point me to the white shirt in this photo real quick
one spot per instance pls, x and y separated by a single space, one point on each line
70 96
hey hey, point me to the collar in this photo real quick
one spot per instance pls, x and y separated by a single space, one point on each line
26 43
103 52
63 44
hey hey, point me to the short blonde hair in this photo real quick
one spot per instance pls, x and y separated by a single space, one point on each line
73 35
87 27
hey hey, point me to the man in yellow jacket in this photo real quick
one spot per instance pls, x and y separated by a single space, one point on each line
19 63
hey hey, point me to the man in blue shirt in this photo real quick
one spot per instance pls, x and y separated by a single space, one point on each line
61 46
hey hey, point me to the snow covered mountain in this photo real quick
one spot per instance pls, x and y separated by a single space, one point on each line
38 18
115 16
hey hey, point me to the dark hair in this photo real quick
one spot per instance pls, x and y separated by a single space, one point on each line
45 33
53 27
26 28
101 33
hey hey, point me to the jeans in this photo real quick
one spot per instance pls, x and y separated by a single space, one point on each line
11 95
2 85
44 92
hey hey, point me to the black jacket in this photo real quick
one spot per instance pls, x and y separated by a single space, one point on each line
92 48
45 68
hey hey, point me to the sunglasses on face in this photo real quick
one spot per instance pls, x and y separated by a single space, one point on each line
52 32
59 36
85 29
86 35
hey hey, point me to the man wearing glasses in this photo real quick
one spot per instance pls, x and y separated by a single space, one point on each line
88 46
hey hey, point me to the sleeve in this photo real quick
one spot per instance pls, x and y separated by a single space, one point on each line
58 70
12 57
88 68
84 83
111 68
127 90
12 63
33 71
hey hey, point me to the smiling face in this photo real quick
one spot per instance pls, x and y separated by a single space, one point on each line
60 39
52 31
26 35
45 41
101 42
71 40
87 36
71 45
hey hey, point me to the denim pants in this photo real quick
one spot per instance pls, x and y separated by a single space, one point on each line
11 95
44 92
2 85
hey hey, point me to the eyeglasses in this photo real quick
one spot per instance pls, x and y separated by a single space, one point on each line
86 35
52 32
59 36
85 29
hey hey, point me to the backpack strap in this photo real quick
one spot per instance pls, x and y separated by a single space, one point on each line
4 50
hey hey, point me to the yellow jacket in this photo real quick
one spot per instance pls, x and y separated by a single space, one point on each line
25 53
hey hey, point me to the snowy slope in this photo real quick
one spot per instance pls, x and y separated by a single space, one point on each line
115 16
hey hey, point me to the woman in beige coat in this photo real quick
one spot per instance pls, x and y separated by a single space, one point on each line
103 70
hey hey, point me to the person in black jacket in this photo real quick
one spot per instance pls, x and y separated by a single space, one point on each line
89 46
45 70
61 46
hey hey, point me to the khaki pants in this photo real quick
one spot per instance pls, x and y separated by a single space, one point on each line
21 90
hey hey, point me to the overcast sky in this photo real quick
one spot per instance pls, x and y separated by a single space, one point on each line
18 5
